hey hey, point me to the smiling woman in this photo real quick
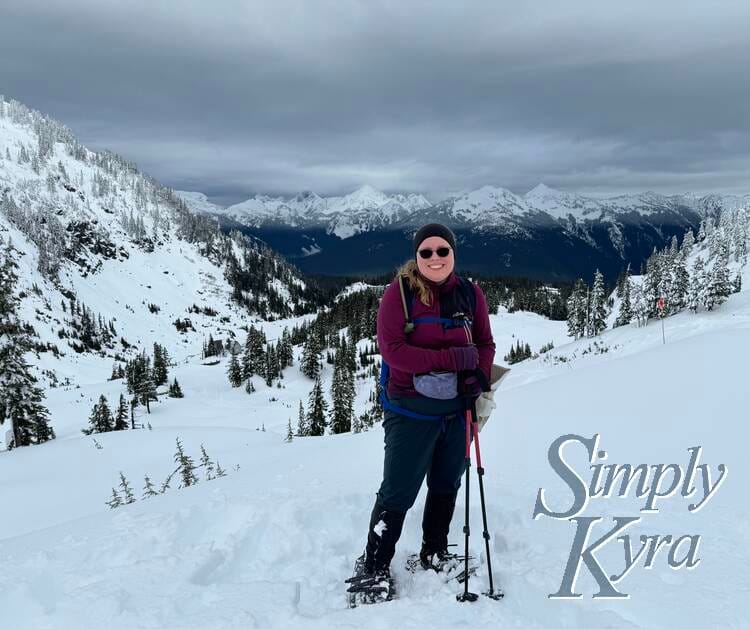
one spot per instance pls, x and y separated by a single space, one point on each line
430 373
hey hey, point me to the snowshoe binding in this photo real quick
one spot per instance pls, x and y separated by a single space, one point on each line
369 587
451 565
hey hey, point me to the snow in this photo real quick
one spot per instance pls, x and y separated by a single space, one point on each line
198 202
270 544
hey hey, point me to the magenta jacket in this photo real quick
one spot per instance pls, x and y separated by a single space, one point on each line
425 349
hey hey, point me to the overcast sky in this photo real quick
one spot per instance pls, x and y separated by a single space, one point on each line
236 98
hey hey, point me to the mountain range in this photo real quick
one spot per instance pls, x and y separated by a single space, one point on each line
545 233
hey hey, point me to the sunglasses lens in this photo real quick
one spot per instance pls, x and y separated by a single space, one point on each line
443 252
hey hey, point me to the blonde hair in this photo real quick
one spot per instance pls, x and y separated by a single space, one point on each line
416 281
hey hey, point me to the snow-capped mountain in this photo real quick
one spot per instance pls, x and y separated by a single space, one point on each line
365 209
93 235
545 233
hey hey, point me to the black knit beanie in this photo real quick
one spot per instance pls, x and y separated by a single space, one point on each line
434 229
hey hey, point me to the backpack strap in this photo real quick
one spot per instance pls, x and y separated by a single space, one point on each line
409 325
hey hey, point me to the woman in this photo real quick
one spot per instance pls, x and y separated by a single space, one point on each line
433 447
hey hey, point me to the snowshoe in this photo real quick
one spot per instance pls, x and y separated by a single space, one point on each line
369 587
452 565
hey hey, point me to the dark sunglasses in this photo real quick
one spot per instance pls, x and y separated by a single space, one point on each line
426 253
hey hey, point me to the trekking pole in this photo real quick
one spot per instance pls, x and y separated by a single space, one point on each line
485 533
466 595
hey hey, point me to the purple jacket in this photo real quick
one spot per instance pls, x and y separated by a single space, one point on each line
425 349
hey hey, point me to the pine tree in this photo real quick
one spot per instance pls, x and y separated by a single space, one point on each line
719 286
247 357
127 493
146 389
174 390
207 463
577 310
639 305
598 309
310 364
114 501
234 372
121 415
697 284
186 466
342 392
302 429
21 400
254 356
160 372
317 410
289 433
626 309
677 296
249 386
148 488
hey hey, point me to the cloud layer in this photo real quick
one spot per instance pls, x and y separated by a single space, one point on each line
236 98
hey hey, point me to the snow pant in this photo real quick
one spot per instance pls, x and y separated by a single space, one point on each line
415 448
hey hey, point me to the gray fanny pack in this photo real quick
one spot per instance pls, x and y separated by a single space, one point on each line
440 385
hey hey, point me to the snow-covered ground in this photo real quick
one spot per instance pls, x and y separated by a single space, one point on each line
270 544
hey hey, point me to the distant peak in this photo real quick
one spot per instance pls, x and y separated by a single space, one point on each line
542 189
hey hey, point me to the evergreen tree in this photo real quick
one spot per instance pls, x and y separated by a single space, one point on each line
342 392
688 240
160 372
234 372
207 464
577 310
697 284
626 309
310 364
185 466
677 296
289 433
254 356
174 390
21 400
598 308
719 286
639 305
121 416
114 501
127 493
302 429
317 410
145 389
148 488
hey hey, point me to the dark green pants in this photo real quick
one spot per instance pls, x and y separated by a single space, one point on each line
415 448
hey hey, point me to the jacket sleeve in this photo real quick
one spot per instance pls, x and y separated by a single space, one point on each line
482 333
393 344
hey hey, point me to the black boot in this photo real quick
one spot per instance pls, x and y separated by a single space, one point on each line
383 533
438 512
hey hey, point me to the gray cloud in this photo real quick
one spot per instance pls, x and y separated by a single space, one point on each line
235 98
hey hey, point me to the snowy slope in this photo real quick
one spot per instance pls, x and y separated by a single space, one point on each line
132 253
270 544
